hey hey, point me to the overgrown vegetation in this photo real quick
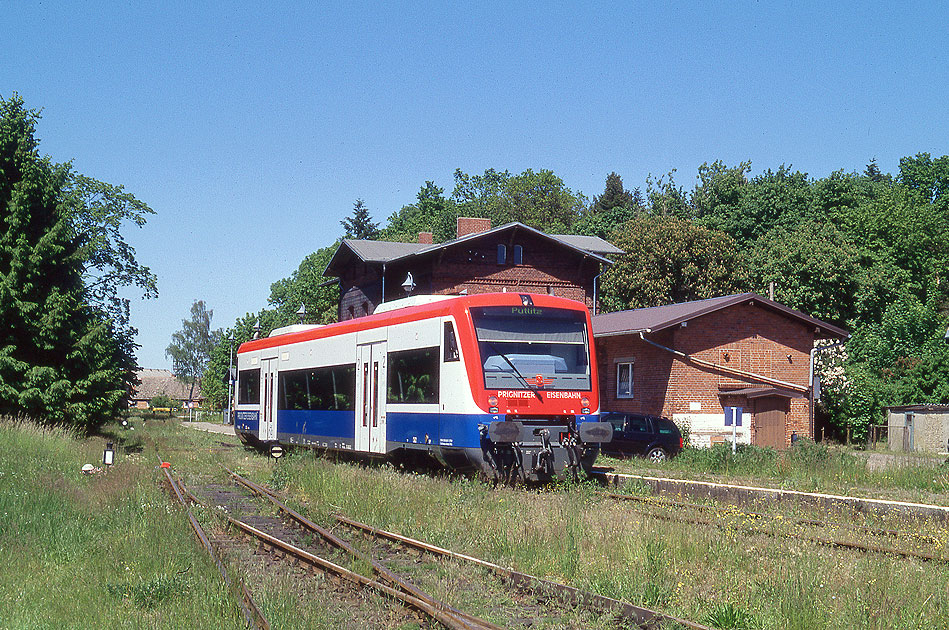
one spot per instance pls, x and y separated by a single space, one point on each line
135 555
66 345
806 466
715 575
106 549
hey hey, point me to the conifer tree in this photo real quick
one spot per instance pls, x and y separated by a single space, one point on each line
613 195
360 225
59 362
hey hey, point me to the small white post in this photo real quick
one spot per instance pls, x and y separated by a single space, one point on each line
735 431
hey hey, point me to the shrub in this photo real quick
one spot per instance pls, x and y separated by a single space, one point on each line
747 458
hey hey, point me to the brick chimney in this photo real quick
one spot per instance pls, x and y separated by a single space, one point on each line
425 238
471 225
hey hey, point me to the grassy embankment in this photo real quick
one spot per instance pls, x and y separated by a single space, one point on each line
720 575
96 551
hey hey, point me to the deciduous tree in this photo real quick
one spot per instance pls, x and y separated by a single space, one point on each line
190 347
307 287
540 200
669 260
431 210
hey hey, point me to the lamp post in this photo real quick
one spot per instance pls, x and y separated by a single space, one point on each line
230 381
302 313
108 455
409 285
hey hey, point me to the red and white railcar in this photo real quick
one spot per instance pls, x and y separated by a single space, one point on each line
503 383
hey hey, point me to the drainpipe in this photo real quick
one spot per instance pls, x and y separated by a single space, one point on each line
595 287
383 283
722 368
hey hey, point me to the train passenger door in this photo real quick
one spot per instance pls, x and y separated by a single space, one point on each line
268 400
371 397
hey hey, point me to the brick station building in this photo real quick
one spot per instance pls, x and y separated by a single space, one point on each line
513 257
690 361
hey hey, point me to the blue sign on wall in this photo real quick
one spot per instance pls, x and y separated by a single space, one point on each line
733 414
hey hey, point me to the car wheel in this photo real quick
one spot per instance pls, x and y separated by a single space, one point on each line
657 455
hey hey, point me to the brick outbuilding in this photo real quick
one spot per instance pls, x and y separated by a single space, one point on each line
155 382
690 361
513 257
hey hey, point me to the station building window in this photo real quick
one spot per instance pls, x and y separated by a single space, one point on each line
624 380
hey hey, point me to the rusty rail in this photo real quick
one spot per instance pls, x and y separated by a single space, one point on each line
819 540
892 533
252 613
383 572
428 606
643 617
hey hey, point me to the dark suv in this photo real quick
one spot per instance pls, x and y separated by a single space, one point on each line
652 437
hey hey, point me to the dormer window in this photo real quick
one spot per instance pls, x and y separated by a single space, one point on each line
502 254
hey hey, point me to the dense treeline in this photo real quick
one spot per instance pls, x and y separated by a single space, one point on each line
66 345
867 251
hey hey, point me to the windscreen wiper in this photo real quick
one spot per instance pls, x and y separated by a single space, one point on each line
516 371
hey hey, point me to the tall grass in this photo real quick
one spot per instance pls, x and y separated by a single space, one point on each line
724 575
110 550
103 550
804 466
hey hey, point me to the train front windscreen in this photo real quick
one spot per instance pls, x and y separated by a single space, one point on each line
528 347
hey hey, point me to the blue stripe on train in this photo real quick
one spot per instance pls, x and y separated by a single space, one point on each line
459 430
247 421
338 424
443 429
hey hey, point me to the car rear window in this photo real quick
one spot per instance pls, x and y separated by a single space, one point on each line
667 426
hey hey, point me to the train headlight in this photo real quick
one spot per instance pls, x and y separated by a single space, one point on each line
492 404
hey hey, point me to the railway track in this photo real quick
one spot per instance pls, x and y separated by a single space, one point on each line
376 560
773 526
275 536
537 587
252 614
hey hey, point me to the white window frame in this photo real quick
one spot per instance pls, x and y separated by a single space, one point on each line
629 380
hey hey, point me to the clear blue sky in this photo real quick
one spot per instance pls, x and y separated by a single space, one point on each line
251 130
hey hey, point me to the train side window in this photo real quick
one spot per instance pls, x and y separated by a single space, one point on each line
413 376
451 344
318 389
248 387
